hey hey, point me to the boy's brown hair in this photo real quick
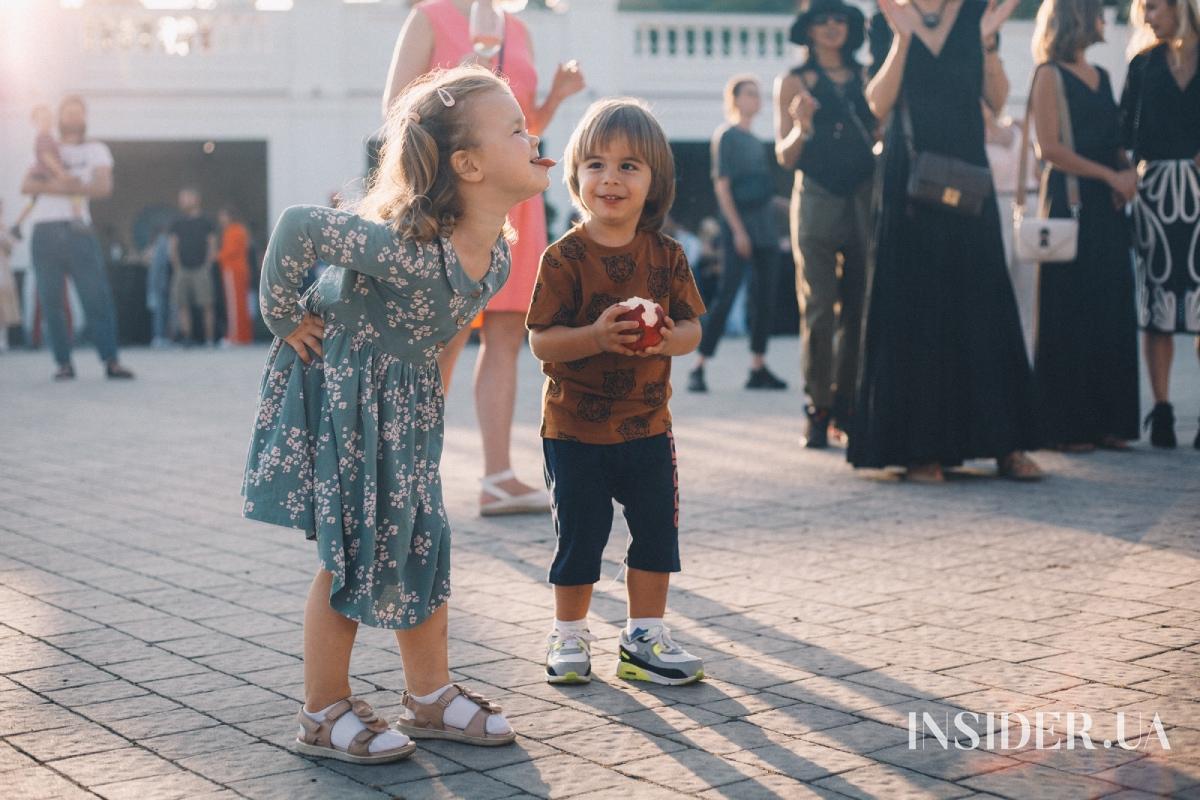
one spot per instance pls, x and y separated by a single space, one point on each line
630 119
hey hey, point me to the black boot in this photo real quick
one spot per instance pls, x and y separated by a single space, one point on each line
817 437
696 380
1161 422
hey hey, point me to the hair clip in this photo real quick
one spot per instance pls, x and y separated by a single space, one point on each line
446 98
413 117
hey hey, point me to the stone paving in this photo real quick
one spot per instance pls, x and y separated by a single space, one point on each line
150 638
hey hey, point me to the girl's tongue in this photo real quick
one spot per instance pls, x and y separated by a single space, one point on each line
545 162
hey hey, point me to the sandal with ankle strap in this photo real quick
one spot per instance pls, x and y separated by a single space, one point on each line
426 720
535 501
314 739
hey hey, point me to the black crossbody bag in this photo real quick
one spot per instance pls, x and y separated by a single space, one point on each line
944 181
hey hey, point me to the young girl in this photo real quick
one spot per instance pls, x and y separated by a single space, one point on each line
349 430
606 428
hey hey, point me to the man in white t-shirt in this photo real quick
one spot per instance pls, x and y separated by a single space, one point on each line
63 244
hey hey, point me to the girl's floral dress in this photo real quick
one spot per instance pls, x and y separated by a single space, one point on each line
347 448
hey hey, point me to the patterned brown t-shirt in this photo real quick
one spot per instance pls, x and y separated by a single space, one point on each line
609 398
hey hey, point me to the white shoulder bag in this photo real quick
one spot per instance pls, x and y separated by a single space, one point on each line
1046 239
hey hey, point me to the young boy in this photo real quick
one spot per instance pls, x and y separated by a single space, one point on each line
606 428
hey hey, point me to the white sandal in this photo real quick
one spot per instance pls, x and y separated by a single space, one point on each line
535 501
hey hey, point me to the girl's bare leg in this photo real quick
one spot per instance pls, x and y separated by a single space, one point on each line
328 640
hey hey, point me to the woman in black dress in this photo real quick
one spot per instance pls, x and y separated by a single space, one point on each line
1085 351
944 377
1160 116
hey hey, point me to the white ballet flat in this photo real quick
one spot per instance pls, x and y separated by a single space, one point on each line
535 501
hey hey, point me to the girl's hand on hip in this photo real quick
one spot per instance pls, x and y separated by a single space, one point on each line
307 336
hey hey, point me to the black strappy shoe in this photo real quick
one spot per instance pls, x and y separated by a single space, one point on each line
65 372
1161 422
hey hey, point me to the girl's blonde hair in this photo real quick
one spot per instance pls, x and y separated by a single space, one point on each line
414 188
733 87
1064 27
1143 37
630 120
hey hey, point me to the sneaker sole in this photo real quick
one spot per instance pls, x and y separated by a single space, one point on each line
570 677
630 672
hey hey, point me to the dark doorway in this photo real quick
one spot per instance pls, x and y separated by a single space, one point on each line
147 177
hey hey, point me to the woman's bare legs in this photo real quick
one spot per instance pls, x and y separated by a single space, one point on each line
503 336
1160 351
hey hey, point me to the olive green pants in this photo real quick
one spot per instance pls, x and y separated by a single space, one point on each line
831 237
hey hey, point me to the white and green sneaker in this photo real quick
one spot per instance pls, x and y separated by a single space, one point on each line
569 657
651 655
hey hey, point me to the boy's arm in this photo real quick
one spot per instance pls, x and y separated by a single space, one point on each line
560 343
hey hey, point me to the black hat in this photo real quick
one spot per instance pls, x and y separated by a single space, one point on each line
855 23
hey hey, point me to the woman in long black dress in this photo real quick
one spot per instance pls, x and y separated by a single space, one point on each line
1085 352
944 375
1160 110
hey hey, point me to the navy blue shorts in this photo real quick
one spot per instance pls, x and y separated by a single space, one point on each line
584 479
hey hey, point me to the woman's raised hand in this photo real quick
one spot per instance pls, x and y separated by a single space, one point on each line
900 18
995 15
801 110
568 80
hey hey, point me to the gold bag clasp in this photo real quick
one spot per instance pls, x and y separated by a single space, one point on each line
951 196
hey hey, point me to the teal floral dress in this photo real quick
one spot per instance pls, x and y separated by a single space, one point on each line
347 448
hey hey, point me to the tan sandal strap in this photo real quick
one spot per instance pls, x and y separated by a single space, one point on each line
319 733
479 700
477 727
362 709
360 745
312 728
426 715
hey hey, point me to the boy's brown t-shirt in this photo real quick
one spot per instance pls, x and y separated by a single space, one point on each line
609 398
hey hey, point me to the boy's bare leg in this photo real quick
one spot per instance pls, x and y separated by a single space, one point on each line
328 640
571 603
647 592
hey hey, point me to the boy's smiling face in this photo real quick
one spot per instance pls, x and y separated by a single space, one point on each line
613 184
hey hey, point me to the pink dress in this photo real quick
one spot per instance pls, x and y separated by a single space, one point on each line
451 44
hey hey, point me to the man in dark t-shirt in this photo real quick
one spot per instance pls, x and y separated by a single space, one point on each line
193 246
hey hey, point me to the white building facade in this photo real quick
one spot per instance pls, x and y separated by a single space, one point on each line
307 82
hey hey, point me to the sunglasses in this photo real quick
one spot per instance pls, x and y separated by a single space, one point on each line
825 19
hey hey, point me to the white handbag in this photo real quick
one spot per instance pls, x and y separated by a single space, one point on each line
1046 239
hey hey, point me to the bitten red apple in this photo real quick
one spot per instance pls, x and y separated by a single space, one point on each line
649 316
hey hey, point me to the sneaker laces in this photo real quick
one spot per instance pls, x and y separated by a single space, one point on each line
562 639
661 636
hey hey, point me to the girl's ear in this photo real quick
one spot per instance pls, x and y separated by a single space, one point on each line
465 166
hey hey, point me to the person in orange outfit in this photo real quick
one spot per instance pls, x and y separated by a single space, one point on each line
235 276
